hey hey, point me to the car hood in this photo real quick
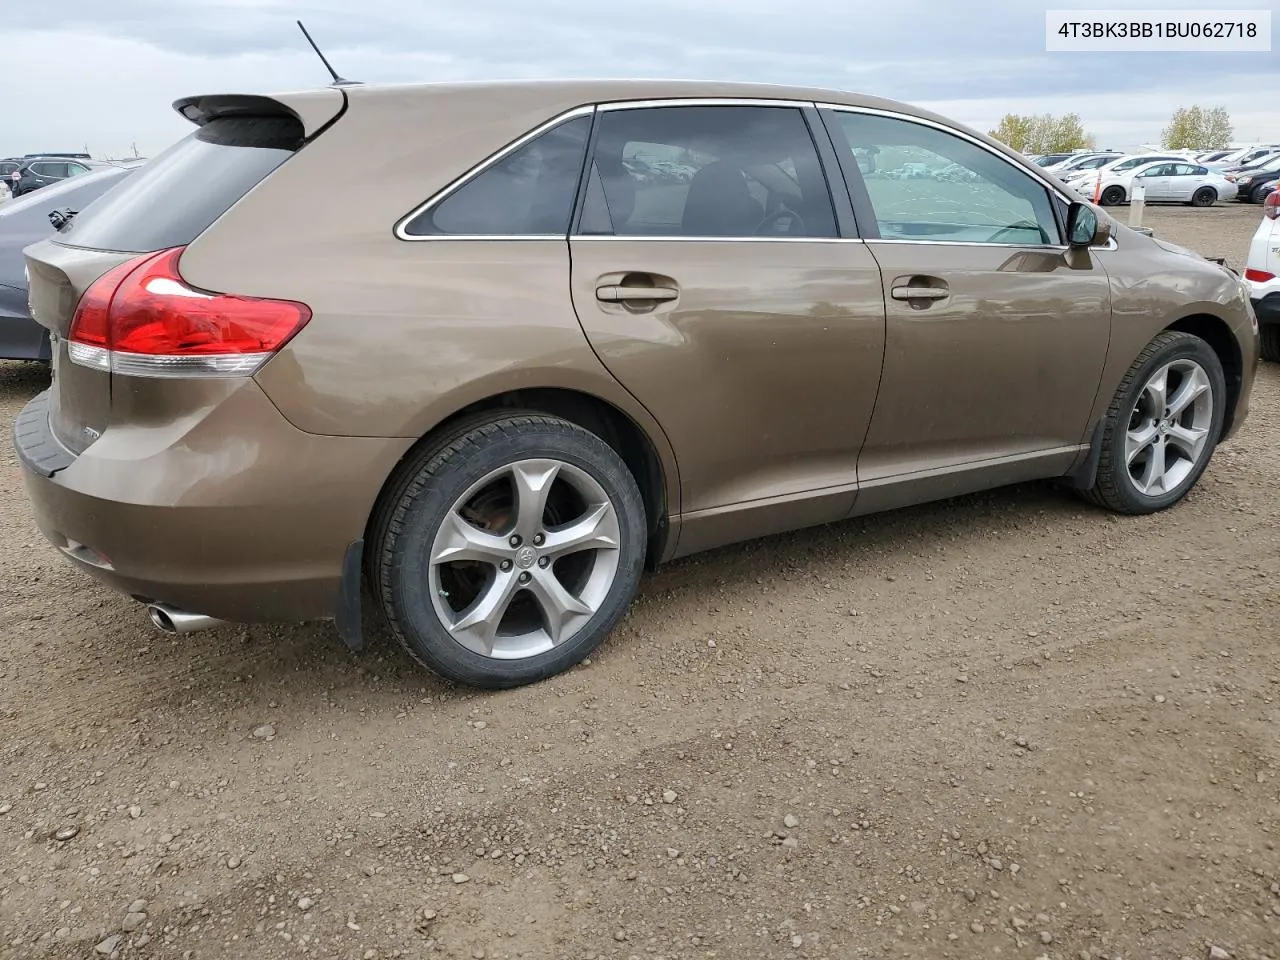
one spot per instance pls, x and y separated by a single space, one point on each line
1174 248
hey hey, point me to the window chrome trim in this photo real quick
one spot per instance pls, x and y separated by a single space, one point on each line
1028 168
792 102
693 238
1042 247
481 167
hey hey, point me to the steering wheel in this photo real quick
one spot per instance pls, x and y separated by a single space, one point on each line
1016 232
797 222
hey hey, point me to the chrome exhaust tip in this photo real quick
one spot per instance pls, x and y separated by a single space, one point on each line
172 620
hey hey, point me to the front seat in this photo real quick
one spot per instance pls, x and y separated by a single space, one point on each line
719 203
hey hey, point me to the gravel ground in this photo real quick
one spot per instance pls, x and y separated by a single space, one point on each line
1008 725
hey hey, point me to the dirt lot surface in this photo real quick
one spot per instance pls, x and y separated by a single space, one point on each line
1009 725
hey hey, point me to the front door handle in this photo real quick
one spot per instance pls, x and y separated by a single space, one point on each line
919 293
616 293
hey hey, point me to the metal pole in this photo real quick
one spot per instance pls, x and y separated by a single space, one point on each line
1137 201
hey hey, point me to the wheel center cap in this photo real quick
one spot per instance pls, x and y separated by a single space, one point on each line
1164 427
526 557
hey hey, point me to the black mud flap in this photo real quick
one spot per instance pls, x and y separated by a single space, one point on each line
1086 474
347 618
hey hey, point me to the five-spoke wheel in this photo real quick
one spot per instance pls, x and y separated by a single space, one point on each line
1162 425
511 550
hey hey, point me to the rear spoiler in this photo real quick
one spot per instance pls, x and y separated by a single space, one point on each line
315 109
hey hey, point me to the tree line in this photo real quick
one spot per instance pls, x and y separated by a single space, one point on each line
1190 128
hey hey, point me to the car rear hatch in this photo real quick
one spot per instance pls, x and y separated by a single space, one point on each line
173 199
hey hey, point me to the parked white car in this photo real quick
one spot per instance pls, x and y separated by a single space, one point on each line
1165 182
1262 274
1121 164
1082 162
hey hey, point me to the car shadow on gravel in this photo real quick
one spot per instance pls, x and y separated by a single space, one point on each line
20 380
295 662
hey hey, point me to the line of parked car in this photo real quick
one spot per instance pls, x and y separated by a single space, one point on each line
31 217
1248 175
32 171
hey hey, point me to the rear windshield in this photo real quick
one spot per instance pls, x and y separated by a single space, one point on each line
175 197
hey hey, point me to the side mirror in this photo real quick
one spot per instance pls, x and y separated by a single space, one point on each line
1083 229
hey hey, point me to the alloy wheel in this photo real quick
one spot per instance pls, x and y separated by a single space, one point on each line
1169 427
524 559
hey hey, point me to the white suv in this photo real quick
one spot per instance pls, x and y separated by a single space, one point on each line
1262 272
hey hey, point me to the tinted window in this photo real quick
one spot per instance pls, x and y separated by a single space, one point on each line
926 184
174 198
528 192
49 169
707 171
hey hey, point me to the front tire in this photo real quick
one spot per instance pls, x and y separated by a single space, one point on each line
510 551
1259 193
1112 196
1162 426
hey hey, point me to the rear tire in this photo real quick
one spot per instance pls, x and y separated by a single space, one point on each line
1204 197
1269 334
1112 196
509 550
1162 426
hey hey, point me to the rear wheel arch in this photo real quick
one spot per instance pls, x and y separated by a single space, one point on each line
606 420
1217 333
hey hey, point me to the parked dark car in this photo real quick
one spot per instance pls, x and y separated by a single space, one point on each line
42 171
9 166
1255 182
22 223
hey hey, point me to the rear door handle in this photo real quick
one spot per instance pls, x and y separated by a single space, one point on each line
616 293
919 293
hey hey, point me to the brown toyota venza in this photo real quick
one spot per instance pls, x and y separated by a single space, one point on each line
483 352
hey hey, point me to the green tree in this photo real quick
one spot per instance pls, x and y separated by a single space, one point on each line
1217 128
1042 134
1194 128
1013 131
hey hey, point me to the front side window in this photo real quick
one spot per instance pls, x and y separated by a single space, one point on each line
49 169
924 183
528 192
715 172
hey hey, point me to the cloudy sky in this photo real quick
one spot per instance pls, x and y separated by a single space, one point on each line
103 73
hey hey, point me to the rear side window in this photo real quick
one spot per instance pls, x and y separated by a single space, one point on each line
715 172
528 192
175 197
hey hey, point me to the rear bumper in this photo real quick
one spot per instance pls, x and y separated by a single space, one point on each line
237 515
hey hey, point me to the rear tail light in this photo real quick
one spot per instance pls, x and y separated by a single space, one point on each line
1258 276
141 319
1271 208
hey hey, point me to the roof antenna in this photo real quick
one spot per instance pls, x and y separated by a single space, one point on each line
337 80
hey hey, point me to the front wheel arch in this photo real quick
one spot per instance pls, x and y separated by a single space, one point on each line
1215 332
